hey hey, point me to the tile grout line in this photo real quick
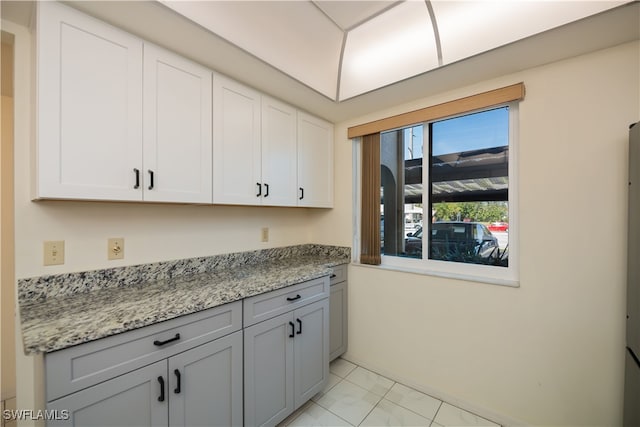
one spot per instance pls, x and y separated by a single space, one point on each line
436 414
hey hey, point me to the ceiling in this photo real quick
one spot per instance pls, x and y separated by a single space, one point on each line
346 59
343 49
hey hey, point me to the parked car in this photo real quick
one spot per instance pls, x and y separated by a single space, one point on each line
454 241
499 226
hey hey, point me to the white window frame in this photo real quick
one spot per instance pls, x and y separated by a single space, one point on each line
506 276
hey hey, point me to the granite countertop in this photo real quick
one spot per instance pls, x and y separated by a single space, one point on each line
59 320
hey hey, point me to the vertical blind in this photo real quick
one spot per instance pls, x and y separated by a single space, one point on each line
370 252
370 232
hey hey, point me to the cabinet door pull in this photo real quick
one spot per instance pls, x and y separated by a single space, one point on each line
293 328
177 389
259 189
161 397
297 297
150 179
333 276
266 188
301 193
161 343
299 326
137 172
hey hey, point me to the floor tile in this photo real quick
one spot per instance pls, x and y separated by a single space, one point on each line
370 381
333 380
449 415
414 400
387 413
349 401
341 367
294 415
315 415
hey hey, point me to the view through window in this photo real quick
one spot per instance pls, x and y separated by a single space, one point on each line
455 203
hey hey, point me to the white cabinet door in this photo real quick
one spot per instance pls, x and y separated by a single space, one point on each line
177 128
315 162
236 143
311 350
205 384
139 398
279 155
89 107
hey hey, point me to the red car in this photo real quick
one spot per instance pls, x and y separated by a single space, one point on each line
499 226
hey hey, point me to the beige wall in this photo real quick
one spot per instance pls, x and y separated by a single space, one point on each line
550 352
7 293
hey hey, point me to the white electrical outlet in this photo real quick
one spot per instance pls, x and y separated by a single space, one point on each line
265 234
115 248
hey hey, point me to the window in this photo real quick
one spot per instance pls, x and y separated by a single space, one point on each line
467 181
445 200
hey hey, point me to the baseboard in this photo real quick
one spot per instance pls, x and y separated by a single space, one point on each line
501 419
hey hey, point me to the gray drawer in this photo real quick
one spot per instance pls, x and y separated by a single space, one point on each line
84 365
265 306
339 274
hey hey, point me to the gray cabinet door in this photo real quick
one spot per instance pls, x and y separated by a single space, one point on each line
127 400
205 384
268 371
338 320
311 350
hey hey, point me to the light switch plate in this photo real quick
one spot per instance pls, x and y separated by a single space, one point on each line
265 234
54 252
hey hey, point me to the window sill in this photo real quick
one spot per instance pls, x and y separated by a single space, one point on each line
446 275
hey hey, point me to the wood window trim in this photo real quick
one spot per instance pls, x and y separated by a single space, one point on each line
487 99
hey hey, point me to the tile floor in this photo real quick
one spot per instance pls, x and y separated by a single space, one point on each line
355 396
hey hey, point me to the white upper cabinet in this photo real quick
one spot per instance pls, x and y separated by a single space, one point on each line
121 119
177 128
279 153
89 110
237 159
315 162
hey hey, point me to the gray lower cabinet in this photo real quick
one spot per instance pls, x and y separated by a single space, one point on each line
286 363
338 317
205 384
199 387
185 371
127 400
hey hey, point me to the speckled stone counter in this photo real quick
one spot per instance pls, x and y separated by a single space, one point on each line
63 310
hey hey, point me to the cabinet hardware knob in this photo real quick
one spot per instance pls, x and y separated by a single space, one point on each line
333 276
301 193
259 189
161 343
293 328
150 179
137 172
299 326
297 297
266 188
161 381
177 389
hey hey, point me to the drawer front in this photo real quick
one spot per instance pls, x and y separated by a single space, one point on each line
81 366
265 306
339 274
